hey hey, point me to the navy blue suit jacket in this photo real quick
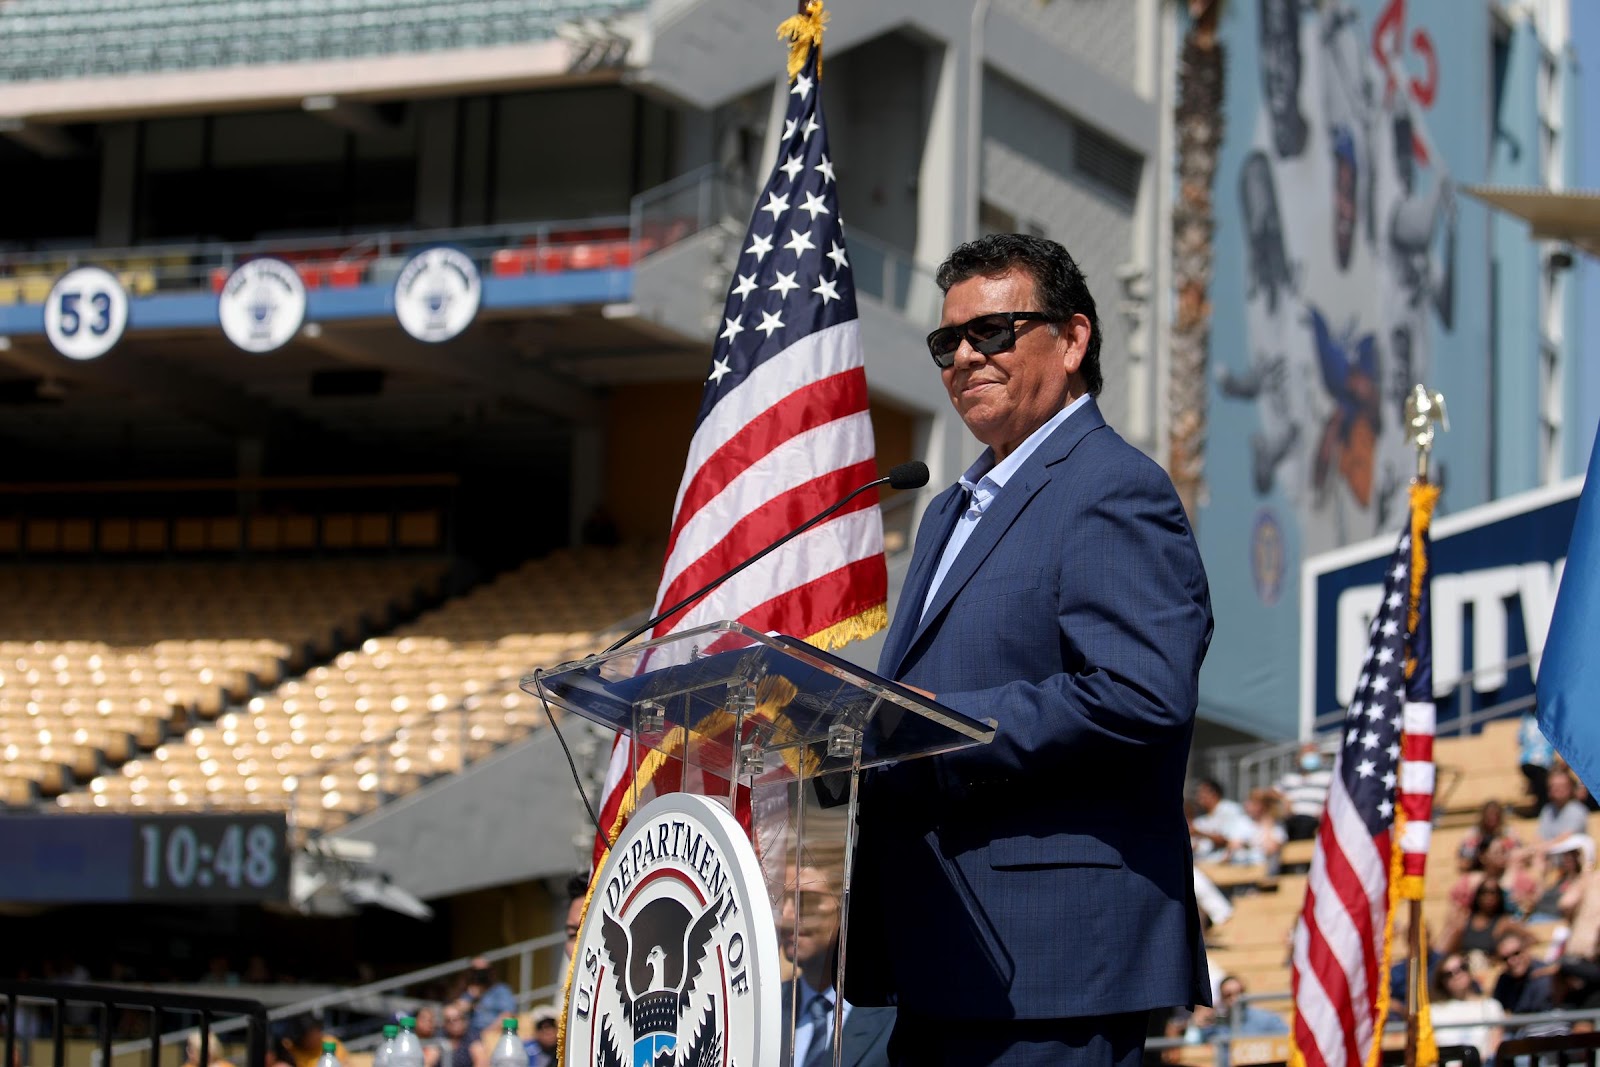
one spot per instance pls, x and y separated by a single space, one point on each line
865 1040
1047 874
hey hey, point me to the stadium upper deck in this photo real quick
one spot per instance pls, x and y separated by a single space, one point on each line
56 39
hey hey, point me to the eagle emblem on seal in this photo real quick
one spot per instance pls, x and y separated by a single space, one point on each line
655 960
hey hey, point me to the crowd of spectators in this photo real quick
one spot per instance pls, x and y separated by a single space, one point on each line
1521 934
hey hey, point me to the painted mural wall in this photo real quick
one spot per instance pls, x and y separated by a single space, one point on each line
1349 266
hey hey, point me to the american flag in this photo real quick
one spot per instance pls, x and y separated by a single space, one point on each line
783 429
1343 942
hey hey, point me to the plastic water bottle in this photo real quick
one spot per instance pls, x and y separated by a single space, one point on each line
328 1059
407 1051
386 1047
508 1051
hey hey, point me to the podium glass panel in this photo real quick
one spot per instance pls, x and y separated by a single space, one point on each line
752 719
737 703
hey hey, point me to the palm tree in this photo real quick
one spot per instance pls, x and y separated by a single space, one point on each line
1198 125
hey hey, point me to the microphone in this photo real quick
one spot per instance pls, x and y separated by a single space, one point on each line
913 475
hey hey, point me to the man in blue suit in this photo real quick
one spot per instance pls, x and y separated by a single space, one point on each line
809 939
1031 900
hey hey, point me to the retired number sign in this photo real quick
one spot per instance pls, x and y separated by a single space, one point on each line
677 963
86 313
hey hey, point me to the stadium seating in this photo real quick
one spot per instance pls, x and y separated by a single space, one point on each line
1255 942
100 662
427 699
49 39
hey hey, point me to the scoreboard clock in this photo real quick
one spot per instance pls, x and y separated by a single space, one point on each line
168 859
218 857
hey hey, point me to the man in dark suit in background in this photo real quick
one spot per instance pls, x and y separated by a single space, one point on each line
808 935
1031 900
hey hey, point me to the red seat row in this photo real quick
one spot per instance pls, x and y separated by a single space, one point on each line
554 259
339 274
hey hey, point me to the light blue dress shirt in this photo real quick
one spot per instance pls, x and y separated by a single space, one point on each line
983 482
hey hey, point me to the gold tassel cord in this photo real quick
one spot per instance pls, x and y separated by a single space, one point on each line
1427 1046
804 31
1386 958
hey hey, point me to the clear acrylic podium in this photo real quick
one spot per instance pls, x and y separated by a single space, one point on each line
735 708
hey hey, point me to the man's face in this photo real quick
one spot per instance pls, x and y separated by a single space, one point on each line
1005 397
1207 798
574 925
427 1023
1515 956
545 1034
1230 993
455 1023
1560 789
810 938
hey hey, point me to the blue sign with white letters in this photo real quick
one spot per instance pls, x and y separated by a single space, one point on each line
1496 569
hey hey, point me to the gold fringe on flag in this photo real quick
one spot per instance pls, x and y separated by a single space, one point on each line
854 628
1386 957
803 31
1424 496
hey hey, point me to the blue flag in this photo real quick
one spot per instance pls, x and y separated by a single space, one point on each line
1569 673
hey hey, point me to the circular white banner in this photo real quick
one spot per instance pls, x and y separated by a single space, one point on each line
437 294
262 305
86 313
677 962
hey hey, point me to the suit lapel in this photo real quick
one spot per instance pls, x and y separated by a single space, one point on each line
1007 508
941 519
859 1030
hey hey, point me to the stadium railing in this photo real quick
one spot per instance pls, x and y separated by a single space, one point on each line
381 1000
710 197
658 218
214 1015
1251 765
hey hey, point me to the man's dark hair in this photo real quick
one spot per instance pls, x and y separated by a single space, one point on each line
577 888
1212 784
1058 284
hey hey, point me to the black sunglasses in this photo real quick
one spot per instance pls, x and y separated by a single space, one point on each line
987 334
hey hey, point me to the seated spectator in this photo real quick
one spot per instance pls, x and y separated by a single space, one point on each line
1499 864
1524 987
1462 1015
1259 836
215 1056
1491 827
1305 791
435 1049
488 1000
1236 1018
541 1046
1400 969
1563 883
1521 879
1564 814
1536 756
1215 908
301 1041
1219 820
456 1048
1481 928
